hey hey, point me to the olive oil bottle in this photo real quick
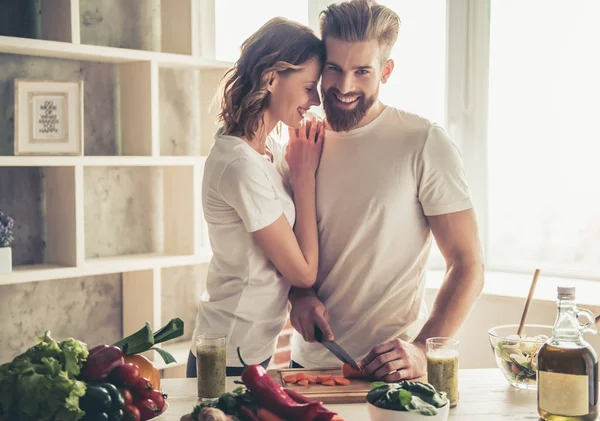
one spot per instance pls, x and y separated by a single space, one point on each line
568 366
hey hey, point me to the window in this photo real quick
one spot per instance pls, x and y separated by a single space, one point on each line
418 83
236 20
543 143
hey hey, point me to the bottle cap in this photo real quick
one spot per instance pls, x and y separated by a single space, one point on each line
566 292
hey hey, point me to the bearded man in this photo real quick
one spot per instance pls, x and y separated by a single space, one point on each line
388 182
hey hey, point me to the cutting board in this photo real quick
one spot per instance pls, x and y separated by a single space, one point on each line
355 392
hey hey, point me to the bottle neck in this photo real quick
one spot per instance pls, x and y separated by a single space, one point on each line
567 327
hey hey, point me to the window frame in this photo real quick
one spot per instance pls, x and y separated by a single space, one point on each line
467 78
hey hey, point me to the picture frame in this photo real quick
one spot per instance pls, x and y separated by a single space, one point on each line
48 117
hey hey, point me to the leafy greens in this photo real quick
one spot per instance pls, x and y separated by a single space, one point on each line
408 396
41 384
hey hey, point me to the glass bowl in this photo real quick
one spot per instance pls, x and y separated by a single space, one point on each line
517 356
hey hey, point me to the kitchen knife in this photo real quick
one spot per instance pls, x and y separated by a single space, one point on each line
335 349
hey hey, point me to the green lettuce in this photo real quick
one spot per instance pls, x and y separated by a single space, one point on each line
41 384
74 353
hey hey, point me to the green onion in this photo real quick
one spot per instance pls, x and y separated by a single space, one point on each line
138 342
144 340
172 330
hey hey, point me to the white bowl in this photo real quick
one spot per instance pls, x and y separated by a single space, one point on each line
380 414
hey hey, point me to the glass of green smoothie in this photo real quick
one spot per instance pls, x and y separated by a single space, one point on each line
442 366
211 362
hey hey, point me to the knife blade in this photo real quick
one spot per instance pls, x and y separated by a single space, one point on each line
335 349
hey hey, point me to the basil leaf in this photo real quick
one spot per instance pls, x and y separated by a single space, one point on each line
404 396
375 385
419 406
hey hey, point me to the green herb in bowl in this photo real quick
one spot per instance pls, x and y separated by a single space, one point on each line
416 398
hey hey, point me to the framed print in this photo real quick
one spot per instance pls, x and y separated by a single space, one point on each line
48 117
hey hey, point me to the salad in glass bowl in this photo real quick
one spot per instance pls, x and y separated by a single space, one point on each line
516 356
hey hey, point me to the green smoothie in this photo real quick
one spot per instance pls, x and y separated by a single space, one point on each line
211 363
442 373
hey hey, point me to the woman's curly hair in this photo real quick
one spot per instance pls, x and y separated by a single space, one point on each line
280 45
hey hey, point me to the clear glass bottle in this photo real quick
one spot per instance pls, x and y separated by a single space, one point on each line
568 365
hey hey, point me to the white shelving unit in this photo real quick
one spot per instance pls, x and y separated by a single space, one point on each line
100 161
63 176
82 52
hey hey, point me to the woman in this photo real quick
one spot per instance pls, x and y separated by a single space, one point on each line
257 255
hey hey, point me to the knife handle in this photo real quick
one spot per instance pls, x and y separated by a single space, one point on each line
318 334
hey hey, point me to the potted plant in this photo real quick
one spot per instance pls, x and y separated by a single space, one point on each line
6 238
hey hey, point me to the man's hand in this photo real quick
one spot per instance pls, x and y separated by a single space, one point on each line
395 360
308 311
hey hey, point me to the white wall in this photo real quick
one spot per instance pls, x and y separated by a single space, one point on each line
493 310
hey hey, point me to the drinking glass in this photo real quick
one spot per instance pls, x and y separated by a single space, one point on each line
211 363
442 366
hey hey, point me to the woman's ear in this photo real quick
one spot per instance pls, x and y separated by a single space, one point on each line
272 80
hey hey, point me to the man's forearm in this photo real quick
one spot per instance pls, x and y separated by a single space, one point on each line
458 293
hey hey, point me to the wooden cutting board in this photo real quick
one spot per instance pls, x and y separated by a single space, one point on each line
355 392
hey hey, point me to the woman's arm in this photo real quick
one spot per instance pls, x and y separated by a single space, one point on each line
297 256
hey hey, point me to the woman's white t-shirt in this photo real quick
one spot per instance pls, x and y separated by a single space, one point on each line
246 298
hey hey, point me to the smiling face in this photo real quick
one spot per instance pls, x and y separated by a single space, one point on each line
294 92
350 81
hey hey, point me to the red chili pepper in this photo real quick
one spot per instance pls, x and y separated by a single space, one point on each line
298 397
322 415
101 361
249 414
272 396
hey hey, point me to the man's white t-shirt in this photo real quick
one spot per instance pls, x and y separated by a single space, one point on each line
243 192
376 185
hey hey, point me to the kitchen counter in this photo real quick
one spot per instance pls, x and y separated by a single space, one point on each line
484 394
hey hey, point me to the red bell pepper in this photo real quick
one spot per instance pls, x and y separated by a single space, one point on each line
272 396
101 361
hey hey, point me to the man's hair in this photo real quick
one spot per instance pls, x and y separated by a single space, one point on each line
361 20
281 46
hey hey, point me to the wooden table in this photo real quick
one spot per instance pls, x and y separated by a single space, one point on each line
484 395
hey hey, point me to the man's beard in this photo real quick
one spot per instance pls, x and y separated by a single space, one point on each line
342 120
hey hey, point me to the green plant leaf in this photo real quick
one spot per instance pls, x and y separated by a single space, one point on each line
167 358
375 385
404 396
